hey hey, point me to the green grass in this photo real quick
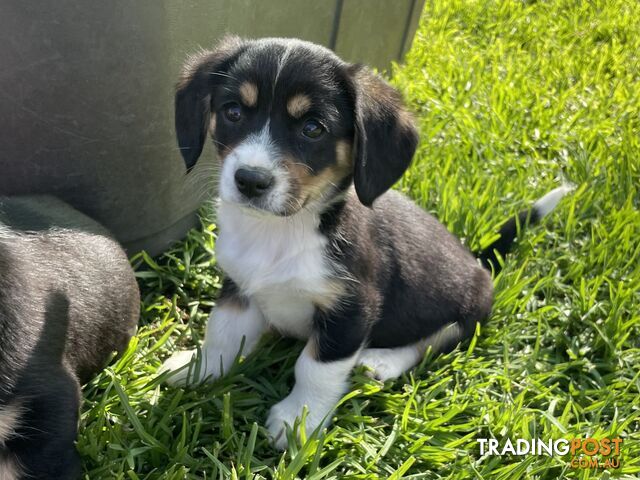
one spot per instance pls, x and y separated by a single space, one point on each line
513 98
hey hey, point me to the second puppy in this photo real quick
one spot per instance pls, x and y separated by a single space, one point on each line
68 300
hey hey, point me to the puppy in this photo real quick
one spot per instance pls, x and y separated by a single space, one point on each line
313 243
68 300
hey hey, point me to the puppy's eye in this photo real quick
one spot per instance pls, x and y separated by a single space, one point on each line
233 112
312 129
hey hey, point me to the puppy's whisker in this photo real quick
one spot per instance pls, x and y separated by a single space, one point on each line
204 182
222 74
218 142
200 177
303 165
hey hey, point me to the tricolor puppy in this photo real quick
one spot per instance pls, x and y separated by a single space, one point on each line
313 243
68 300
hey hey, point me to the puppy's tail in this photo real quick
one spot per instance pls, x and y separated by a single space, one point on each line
509 230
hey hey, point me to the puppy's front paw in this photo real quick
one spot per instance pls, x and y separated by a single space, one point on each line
285 413
179 368
282 414
187 368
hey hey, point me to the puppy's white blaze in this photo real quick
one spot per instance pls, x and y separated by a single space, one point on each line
227 328
390 363
548 202
257 150
319 386
282 61
278 261
9 421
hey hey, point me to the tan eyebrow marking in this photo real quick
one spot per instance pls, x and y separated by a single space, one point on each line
249 94
298 105
343 153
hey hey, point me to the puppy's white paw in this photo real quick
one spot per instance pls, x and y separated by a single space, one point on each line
178 366
186 368
281 415
383 362
285 413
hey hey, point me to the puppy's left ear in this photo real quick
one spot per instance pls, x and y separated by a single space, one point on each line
385 135
200 77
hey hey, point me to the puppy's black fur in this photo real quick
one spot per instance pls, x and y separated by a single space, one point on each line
403 300
68 300
314 243
412 276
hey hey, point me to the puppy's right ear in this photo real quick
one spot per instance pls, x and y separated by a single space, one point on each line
200 76
386 137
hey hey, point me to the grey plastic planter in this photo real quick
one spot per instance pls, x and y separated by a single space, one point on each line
86 94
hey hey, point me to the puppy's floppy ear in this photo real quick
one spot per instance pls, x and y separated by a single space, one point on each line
385 135
200 76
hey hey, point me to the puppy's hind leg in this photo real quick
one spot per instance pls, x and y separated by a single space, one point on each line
390 363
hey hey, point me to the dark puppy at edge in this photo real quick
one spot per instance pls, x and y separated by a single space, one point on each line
68 300
312 242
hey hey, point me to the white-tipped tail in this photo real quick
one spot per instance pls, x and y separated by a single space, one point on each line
549 201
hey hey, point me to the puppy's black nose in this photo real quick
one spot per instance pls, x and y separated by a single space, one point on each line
253 182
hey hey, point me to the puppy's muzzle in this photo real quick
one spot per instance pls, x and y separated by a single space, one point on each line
253 182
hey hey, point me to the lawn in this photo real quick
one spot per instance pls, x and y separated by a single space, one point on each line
513 99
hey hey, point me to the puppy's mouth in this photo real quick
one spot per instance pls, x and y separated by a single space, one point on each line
261 208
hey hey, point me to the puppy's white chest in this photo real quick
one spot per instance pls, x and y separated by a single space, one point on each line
278 262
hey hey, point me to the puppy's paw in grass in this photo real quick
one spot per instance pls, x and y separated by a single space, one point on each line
287 412
179 368
383 363
187 367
